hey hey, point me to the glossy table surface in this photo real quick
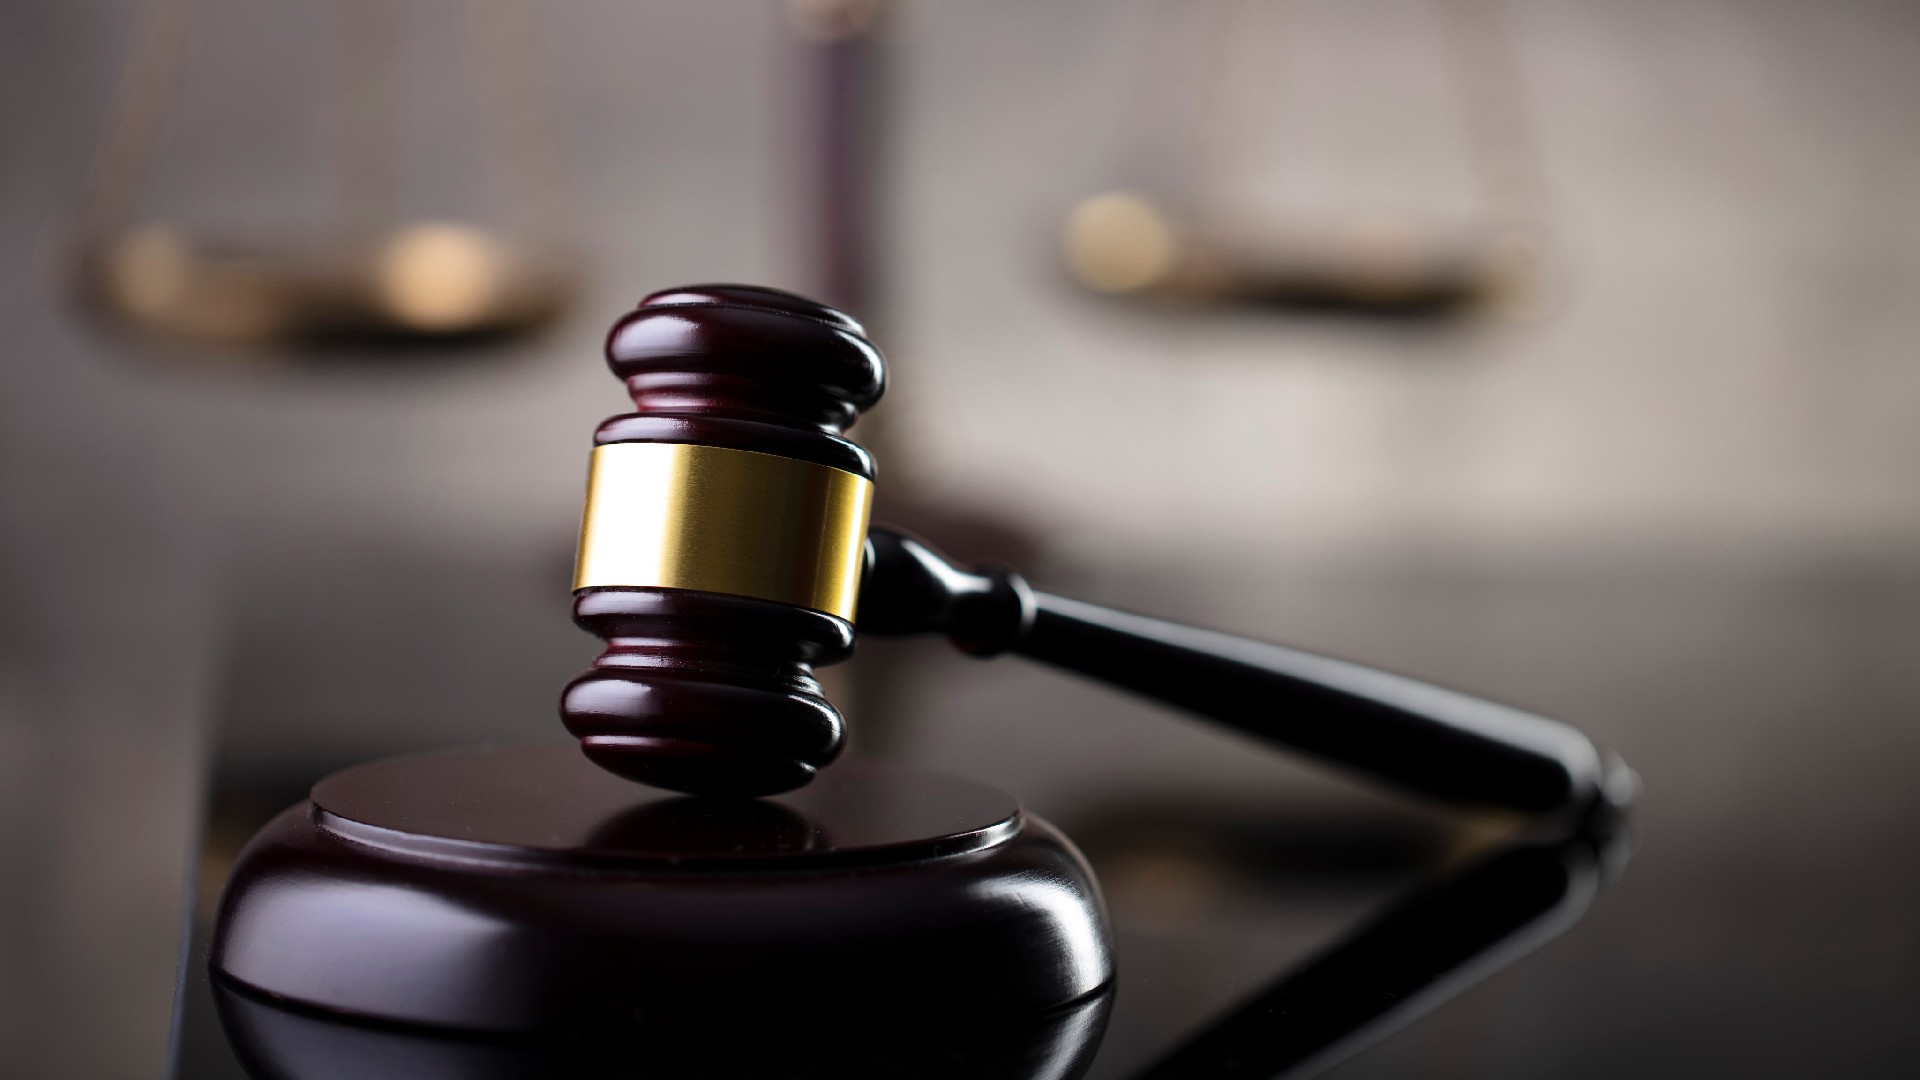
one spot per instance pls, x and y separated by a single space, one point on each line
1757 917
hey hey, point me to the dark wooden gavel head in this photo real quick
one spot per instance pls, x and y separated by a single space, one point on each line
722 545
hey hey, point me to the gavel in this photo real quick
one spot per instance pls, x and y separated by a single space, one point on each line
725 553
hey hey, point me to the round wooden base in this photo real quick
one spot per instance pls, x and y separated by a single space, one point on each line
524 890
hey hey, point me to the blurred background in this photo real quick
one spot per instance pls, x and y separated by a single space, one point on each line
1558 351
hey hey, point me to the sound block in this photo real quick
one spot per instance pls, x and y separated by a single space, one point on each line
525 890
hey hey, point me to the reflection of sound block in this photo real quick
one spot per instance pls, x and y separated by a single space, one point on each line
275 1042
525 890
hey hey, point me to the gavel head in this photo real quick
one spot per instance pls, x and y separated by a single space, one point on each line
722 544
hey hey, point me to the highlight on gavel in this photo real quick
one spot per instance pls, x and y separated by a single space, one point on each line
725 552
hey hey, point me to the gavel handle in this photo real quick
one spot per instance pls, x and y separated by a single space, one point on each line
1437 743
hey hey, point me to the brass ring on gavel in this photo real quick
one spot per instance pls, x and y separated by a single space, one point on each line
686 516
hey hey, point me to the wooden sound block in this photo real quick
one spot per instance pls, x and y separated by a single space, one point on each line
523 890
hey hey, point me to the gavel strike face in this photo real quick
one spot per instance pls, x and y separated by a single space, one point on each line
725 552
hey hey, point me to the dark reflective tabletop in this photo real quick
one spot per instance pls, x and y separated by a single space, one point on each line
1275 920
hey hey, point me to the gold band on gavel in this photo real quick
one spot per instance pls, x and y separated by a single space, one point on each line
682 516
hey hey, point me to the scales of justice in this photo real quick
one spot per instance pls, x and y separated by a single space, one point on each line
701 882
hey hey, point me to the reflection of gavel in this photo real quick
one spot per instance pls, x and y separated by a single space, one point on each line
725 550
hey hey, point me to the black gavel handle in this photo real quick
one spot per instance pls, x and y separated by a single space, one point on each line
1438 743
